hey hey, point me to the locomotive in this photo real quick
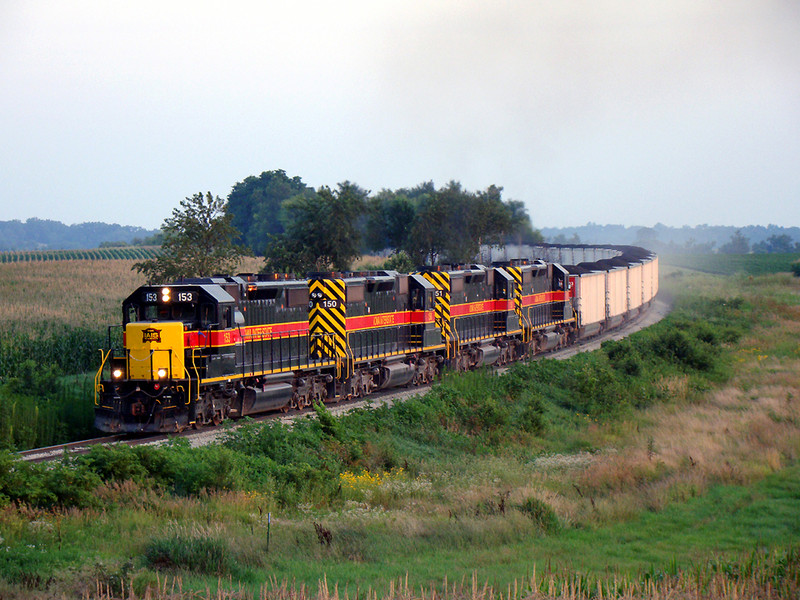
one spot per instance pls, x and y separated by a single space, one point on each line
202 350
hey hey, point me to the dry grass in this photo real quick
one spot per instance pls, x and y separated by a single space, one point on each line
77 292
733 434
732 437
707 583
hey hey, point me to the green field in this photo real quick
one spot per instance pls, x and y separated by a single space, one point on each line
122 253
660 464
730 264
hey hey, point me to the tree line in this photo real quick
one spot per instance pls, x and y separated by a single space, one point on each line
44 234
300 229
699 239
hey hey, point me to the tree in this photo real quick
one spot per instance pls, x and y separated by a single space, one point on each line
646 237
255 204
426 240
738 244
491 219
199 241
321 232
522 231
451 224
775 244
390 217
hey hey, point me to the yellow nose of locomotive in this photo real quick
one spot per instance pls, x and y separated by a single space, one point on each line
155 350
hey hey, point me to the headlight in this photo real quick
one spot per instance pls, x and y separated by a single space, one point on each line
117 373
165 294
162 373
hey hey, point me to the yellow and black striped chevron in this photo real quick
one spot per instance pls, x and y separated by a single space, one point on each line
516 273
441 281
327 325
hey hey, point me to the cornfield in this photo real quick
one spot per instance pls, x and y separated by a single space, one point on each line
122 253
54 317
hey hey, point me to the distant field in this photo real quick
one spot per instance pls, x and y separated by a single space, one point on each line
124 253
75 292
729 264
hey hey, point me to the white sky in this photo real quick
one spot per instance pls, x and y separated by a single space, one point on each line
612 111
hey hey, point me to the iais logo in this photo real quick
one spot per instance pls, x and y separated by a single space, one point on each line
151 334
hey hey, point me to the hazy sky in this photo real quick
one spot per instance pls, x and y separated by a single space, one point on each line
612 111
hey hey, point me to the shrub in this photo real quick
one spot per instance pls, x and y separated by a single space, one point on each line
541 514
400 262
57 484
623 357
677 347
116 463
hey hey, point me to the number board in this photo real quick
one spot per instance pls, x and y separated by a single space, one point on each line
319 299
154 297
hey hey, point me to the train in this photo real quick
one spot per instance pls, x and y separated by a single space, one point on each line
199 351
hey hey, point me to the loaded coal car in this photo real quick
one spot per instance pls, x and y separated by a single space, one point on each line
613 290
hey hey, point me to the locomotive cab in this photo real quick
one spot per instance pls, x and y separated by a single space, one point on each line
422 303
153 378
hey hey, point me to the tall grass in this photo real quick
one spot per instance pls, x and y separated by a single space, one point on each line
37 416
771 575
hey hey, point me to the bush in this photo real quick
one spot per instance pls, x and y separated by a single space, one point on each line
400 262
541 514
58 484
624 357
677 347
115 463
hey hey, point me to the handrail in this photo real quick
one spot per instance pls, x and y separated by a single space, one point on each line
99 375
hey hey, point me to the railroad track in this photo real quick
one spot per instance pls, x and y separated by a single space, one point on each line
36 455
202 436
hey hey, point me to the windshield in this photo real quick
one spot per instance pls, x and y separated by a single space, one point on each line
185 312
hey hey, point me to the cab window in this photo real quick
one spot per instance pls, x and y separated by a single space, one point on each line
208 316
131 313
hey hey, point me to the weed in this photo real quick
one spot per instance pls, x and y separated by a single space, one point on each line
197 550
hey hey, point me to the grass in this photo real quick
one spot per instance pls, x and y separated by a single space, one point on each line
80 293
731 264
667 463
